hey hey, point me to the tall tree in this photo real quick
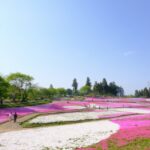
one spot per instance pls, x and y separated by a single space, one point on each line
137 93
142 93
113 88
120 91
75 85
51 86
104 86
146 92
20 82
88 82
3 89
96 88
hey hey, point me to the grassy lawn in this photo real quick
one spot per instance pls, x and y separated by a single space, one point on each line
9 104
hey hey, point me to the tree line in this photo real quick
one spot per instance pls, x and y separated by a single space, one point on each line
19 87
98 89
143 92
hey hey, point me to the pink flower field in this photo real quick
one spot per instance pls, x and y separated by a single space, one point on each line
131 128
59 106
22 111
132 116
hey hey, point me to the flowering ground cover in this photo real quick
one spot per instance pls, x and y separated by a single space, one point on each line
122 100
73 117
133 110
70 105
74 107
52 107
129 117
134 133
119 105
66 137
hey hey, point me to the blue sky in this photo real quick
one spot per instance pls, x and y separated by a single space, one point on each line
57 40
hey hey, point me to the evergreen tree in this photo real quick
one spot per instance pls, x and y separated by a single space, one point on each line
104 86
137 94
146 92
88 82
142 93
113 88
96 88
75 86
120 91
51 86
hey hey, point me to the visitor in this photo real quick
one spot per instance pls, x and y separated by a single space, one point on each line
15 117
10 116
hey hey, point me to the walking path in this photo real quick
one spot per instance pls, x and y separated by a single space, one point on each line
11 126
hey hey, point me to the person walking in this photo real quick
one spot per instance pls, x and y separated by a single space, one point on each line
10 116
15 117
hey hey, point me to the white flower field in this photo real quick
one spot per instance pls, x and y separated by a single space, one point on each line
66 137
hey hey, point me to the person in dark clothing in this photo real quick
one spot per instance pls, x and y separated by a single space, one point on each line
15 117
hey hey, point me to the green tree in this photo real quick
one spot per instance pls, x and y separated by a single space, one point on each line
113 88
88 82
104 86
3 89
146 92
85 90
75 86
45 93
34 93
52 92
69 92
96 88
120 91
51 86
137 93
20 83
142 93
61 92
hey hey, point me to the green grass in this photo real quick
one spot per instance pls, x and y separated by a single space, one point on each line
9 104
137 144
26 124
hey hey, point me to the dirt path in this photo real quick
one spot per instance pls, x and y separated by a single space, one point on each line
11 126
